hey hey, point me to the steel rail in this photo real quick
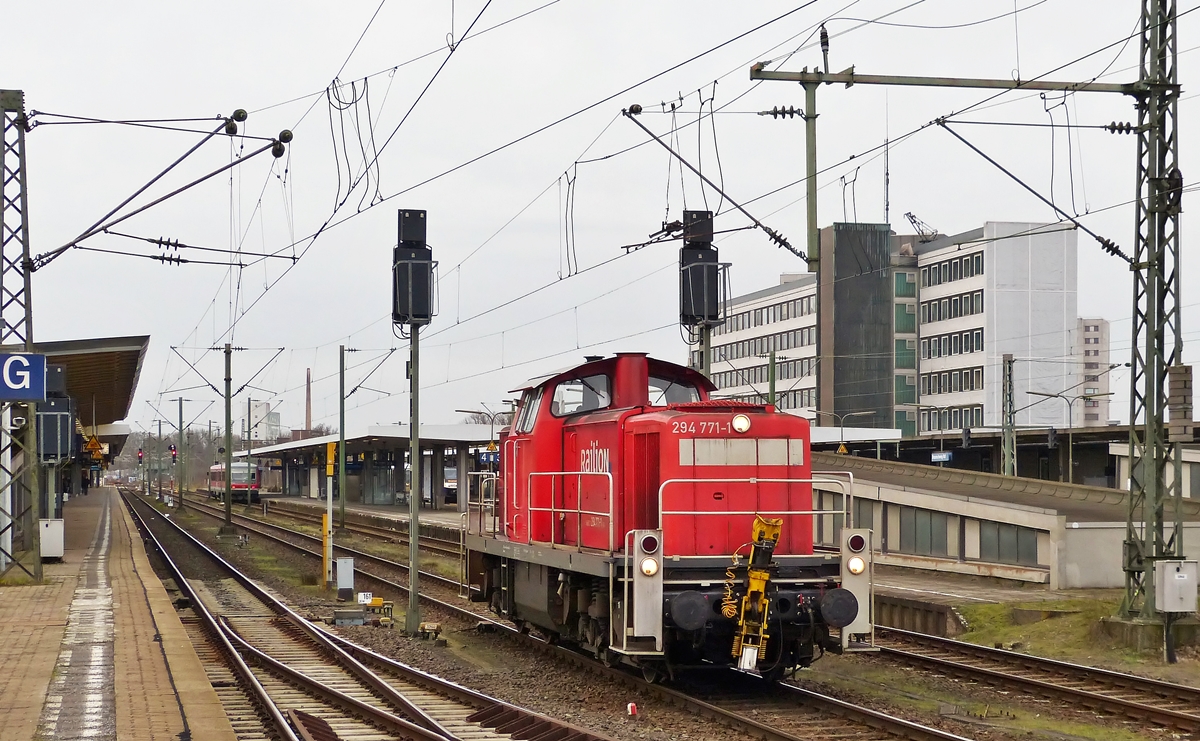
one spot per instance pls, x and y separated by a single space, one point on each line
418 716
865 716
240 667
503 717
370 713
1052 686
261 528
437 545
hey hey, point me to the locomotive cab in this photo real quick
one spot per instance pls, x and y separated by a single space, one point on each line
654 525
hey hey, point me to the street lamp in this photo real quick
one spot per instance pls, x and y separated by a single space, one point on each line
1070 399
841 419
491 441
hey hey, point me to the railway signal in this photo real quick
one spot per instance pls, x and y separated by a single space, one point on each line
412 305
856 578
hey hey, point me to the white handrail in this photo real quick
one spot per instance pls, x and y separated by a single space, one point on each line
846 496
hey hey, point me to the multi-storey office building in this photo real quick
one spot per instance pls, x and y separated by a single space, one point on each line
912 335
782 319
1005 288
1091 350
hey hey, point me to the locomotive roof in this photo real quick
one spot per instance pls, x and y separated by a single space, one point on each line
602 365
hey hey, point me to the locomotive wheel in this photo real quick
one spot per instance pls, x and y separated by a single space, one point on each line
651 674
609 658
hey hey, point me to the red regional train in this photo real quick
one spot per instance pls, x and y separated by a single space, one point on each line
658 527
245 484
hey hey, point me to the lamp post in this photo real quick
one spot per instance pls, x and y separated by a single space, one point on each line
491 440
938 411
1070 399
841 419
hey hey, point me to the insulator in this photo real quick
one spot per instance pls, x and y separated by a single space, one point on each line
230 126
277 149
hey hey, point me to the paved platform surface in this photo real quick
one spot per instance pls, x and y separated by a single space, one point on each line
97 651
941 588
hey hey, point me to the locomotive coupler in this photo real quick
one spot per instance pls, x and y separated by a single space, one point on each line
750 639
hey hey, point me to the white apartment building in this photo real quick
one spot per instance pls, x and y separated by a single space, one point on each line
950 309
1005 288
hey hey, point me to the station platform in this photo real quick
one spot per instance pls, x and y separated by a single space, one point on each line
97 650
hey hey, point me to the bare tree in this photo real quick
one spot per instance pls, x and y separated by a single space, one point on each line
501 419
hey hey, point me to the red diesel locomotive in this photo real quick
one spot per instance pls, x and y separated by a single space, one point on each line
655 526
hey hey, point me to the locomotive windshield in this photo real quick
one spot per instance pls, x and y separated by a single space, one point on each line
580 395
664 391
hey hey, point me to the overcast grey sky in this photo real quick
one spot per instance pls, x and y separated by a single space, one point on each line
546 216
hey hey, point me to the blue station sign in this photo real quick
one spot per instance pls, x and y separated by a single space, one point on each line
22 377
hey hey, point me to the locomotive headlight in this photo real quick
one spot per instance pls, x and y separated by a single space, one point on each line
649 566
741 423
856 565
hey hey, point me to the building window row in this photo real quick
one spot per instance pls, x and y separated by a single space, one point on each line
768 315
756 346
955 343
1091 340
796 399
1091 353
952 381
952 307
957 268
801 368
1091 328
953 418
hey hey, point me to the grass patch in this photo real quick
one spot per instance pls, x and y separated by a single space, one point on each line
891 686
1074 633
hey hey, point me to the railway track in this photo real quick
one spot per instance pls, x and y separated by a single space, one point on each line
312 684
739 701
302 542
1166 704
398 534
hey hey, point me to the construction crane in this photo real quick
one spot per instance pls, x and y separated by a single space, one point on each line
926 232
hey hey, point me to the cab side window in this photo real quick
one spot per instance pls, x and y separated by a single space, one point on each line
580 395
529 410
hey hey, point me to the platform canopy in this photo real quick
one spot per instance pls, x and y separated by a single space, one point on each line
102 374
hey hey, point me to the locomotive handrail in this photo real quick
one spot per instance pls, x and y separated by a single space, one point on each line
482 504
848 498
846 487
579 511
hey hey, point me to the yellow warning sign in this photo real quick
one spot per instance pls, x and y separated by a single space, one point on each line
842 449
97 455
491 446
93 445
